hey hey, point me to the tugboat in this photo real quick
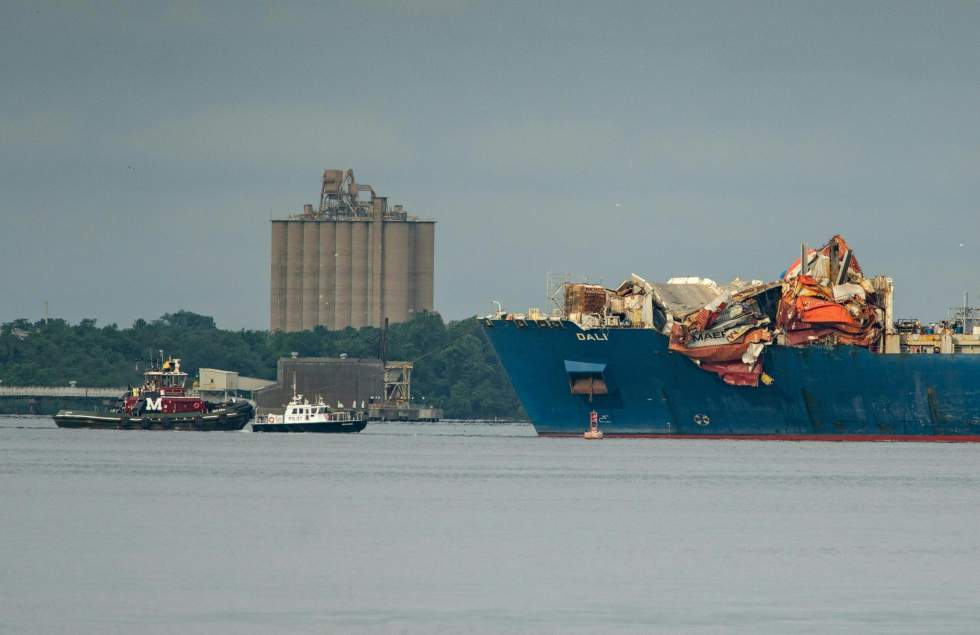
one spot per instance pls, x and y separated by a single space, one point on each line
302 416
162 403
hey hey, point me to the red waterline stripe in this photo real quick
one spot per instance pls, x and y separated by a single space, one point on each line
903 438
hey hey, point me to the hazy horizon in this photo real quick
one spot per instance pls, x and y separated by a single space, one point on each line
147 147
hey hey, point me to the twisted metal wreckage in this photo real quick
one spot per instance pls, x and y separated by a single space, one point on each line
822 298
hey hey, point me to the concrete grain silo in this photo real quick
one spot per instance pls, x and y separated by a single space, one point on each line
396 278
311 271
359 277
423 266
350 262
342 282
278 299
293 320
326 275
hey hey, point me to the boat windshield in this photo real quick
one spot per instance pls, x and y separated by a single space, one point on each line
174 381
158 380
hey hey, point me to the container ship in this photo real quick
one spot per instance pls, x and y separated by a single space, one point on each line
815 355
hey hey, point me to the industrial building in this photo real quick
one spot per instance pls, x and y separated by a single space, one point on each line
221 385
379 389
349 381
352 261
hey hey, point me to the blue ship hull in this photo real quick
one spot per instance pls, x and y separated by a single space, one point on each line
818 393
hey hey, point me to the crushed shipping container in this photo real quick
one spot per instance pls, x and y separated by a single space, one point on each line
823 297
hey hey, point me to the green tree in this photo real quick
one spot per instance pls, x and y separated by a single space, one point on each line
455 367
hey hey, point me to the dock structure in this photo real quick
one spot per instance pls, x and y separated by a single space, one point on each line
75 392
380 390
351 261
39 399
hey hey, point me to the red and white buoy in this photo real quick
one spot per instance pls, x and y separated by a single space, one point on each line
594 432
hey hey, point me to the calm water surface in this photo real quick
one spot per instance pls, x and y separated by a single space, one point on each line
481 528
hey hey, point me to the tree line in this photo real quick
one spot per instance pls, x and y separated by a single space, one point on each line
455 367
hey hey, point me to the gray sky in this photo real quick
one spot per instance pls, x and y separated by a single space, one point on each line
145 148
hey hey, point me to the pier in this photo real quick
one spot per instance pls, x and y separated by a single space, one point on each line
35 396
77 392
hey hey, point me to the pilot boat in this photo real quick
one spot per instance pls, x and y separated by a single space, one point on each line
301 415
